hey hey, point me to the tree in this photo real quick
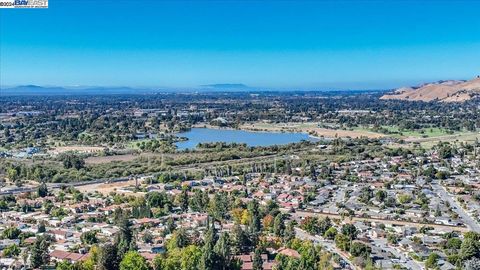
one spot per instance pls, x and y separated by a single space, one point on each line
11 233
279 225
11 251
324 225
289 233
350 231
267 221
159 263
404 198
432 260
223 253
358 249
92 261
157 199
310 224
219 206
199 201
453 243
183 200
392 239
65 265
365 195
469 248
380 195
42 190
437 211
191 257
330 233
257 259
124 239
73 161
239 240
133 261
108 258
170 226
342 242
39 251
89 237
179 239
209 258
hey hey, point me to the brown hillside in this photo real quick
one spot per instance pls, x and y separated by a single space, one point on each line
445 91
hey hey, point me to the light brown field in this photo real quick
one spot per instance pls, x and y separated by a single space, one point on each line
319 132
79 149
106 159
312 129
106 188
445 91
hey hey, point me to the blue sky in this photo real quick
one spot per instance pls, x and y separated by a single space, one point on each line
273 44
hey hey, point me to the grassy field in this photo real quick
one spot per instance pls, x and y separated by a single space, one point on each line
394 131
133 144
428 137
467 137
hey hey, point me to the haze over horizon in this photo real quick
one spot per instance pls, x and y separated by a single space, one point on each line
187 44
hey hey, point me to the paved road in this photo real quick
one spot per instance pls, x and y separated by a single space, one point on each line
384 221
328 245
60 185
193 166
466 218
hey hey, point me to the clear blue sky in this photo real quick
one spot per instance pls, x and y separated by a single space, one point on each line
285 44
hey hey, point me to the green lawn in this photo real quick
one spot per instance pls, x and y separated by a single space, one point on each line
394 131
133 144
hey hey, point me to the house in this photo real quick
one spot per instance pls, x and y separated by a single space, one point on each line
60 255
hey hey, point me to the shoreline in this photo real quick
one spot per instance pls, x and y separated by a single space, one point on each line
333 135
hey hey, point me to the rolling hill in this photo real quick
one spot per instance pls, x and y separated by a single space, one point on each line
443 91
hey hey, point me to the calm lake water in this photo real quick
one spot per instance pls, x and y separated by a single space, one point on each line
203 135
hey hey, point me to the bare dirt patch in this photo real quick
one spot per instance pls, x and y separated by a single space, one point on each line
331 133
78 149
106 188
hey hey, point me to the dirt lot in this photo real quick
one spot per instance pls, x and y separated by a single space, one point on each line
79 149
105 188
344 133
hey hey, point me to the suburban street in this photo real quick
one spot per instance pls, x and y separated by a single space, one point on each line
467 219
301 214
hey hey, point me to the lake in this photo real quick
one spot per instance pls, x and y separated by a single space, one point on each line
251 138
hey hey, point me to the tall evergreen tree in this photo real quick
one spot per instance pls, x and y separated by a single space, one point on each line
108 258
223 252
209 259
257 259
239 240
39 252
278 225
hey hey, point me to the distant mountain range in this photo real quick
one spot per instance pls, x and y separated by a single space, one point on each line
443 91
226 86
56 90
26 90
